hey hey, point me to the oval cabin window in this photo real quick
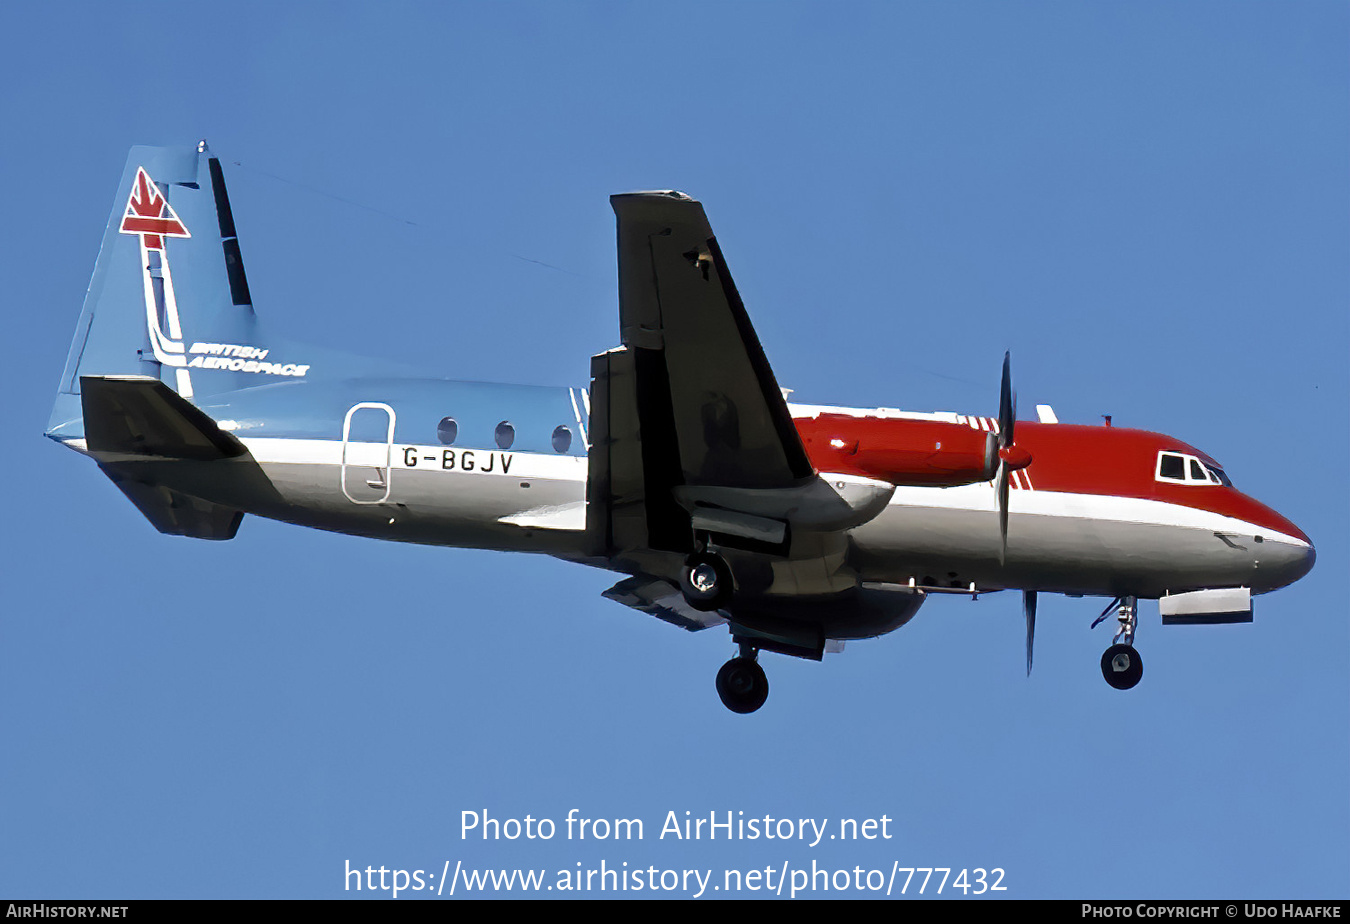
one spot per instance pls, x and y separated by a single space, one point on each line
447 430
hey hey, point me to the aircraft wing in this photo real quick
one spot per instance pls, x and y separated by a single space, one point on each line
702 375
690 432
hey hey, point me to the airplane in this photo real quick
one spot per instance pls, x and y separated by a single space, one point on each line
681 466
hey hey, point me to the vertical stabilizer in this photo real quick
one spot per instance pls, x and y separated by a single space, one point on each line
169 298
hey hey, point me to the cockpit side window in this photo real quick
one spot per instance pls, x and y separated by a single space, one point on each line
1198 471
1171 467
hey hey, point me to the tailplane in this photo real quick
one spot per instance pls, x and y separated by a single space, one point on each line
130 416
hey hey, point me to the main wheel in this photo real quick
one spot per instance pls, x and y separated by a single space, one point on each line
742 685
706 581
1122 667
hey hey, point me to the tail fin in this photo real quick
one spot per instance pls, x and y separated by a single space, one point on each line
168 298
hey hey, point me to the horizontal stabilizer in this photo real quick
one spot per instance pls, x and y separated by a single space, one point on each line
662 600
143 416
178 514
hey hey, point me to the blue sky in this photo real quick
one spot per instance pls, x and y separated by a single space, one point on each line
1148 204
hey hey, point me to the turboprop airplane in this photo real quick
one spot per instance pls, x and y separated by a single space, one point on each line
681 466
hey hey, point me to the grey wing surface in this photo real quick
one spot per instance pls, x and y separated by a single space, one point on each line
702 376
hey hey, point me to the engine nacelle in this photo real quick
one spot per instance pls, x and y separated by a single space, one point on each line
923 453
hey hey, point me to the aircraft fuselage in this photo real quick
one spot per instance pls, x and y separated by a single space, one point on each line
1089 515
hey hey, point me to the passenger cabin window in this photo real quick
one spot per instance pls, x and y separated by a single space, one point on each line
1178 468
562 439
447 430
506 435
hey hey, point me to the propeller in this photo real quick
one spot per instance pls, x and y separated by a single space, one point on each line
1029 610
1007 417
1010 456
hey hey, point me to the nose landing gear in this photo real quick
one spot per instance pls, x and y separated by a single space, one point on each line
1121 665
741 682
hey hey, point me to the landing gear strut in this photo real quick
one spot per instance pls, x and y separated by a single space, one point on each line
1121 665
741 682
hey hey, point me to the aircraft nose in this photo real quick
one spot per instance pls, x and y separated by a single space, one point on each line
1284 559
1281 552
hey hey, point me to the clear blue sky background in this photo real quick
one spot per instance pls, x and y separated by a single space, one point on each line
1147 203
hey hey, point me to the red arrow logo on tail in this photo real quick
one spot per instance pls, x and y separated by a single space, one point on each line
149 213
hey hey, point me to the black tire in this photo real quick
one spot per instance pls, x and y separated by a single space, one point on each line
742 685
1122 667
706 582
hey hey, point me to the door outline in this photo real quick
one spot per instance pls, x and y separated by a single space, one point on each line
387 470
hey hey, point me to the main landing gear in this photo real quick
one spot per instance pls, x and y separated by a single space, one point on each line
1121 665
706 580
707 585
741 682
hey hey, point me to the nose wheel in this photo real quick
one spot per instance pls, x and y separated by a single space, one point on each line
1121 665
741 683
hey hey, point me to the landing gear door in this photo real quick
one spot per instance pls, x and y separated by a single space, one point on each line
367 452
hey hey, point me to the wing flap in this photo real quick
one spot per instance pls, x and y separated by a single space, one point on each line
658 598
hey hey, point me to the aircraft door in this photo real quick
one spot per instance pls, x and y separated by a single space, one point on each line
367 452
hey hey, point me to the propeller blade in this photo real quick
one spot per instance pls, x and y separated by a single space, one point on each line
1007 413
1029 610
1002 490
1007 405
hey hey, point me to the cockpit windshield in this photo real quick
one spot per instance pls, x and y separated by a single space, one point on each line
1182 468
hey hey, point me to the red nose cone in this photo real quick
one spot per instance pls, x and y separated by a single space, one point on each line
1014 457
